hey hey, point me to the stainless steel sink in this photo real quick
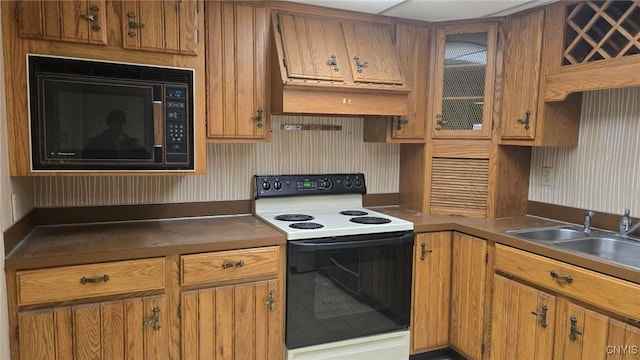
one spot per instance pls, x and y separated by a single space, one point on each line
550 234
618 250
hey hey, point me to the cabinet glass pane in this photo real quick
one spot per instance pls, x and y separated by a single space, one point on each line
464 81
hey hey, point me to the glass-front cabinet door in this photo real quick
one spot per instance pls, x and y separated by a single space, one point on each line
464 80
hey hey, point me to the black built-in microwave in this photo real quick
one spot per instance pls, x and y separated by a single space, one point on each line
94 115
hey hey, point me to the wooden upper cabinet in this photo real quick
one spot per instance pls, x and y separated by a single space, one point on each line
372 54
313 47
412 49
74 21
523 50
464 81
595 45
526 119
237 76
166 26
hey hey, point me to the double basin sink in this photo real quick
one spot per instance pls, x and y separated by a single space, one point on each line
604 245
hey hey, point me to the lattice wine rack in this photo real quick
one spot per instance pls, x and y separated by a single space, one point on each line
600 30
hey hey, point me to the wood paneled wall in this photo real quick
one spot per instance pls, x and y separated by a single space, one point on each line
5 214
603 172
230 168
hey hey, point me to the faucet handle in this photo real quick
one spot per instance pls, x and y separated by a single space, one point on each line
627 212
590 213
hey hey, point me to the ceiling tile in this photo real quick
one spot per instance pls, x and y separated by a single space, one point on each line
443 10
364 6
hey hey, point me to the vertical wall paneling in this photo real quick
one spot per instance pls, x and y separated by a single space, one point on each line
603 172
5 214
231 166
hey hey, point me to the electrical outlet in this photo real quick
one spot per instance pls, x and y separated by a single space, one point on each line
547 176
14 207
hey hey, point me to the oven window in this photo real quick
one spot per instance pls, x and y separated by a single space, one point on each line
347 292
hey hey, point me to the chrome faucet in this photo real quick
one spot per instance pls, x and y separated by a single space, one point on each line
587 222
625 224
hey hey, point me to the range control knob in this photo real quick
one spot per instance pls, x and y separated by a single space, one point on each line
266 186
357 182
348 183
277 185
326 184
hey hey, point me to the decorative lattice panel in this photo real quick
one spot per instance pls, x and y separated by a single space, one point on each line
463 81
599 30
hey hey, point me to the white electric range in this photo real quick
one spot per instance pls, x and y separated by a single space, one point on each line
348 268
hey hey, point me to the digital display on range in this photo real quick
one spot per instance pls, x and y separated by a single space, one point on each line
306 185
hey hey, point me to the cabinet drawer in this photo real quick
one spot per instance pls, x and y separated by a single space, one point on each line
229 265
606 292
87 281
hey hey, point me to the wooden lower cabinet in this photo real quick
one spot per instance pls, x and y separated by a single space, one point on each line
242 321
580 333
523 321
134 328
468 278
431 290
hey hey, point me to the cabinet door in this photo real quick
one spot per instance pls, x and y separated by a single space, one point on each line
75 21
371 53
313 47
580 333
523 49
467 295
242 321
124 329
464 81
431 289
523 321
623 342
166 26
412 49
237 71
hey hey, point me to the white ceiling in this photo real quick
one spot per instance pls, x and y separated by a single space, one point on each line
431 10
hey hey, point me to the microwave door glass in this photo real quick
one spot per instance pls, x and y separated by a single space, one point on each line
97 122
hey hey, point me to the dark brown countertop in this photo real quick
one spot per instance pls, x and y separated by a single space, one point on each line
493 231
49 246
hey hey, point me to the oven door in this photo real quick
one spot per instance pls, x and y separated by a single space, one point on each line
346 287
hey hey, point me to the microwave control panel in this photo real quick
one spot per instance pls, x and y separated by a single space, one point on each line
176 125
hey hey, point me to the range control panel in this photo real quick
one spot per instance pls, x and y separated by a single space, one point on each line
291 185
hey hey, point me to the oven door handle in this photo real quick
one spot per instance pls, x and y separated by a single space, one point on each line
315 245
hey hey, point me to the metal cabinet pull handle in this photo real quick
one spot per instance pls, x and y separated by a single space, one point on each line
333 60
271 301
573 330
232 264
258 117
542 315
525 120
154 319
133 24
360 64
92 17
424 251
566 278
399 120
440 122
94 280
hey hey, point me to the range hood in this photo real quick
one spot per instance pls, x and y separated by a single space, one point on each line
334 66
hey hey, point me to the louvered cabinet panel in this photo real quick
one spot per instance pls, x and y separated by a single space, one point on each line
459 186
